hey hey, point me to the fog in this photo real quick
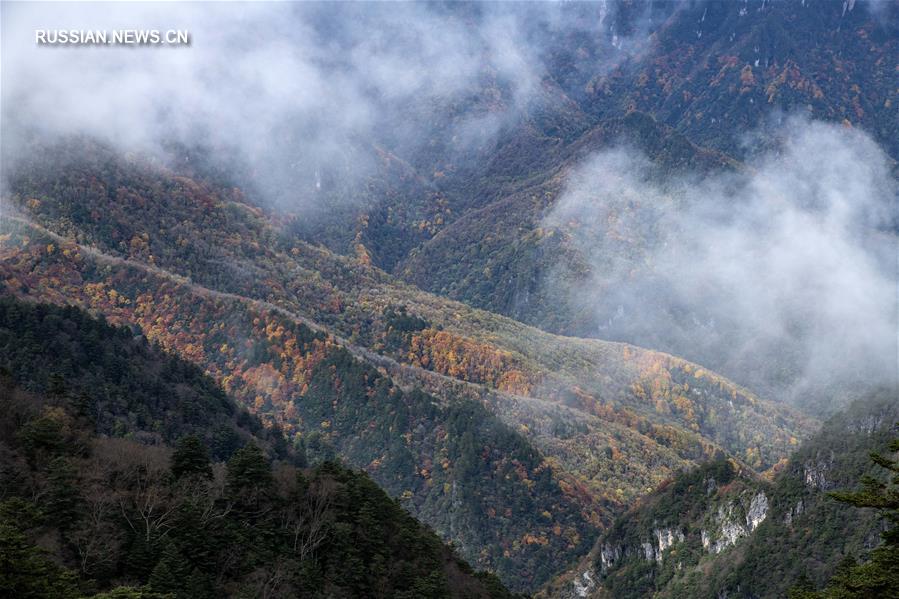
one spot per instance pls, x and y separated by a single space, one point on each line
782 275
292 93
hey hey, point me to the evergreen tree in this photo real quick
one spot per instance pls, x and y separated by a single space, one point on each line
62 496
248 469
141 557
198 585
40 438
26 572
56 385
879 495
191 458
171 572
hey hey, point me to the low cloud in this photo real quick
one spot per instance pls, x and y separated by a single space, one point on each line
782 275
293 93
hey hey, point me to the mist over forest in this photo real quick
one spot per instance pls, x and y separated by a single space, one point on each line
450 299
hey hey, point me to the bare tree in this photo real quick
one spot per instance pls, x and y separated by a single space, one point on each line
208 497
141 476
97 539
307 521
270 581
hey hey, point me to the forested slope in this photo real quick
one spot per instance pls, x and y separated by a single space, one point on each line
127 472
719 529
501 257
338 405
716 70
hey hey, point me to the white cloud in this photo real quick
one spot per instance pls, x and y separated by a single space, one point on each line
782 275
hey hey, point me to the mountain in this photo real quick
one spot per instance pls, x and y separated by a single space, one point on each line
530 267
524 443
713 85
720 530
501 256
718 70
127 472
713 72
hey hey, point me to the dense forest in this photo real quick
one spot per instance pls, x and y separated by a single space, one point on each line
878 574
128 473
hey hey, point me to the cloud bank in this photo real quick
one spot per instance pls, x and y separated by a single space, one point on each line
783 275
293 93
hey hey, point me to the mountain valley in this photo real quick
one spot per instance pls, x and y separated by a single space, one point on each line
456 300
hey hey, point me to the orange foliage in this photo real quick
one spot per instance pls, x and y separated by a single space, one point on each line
213 332
469 360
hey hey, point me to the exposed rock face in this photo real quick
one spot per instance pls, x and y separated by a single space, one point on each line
584 584
731 532
815 472
729 527
666 537
732 520
758 510
608 556
793 512
867 424
649 550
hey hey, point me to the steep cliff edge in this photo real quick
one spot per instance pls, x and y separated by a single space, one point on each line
719 530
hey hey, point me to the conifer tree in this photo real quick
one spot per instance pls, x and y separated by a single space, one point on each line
191 458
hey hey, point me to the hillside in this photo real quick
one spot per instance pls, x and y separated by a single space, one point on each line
451 299
713 84
716 73
719 529
126 472
628 244
501 257
713 81
717 70
580 427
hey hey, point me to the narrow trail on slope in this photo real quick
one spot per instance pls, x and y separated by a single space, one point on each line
468 390
360 352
